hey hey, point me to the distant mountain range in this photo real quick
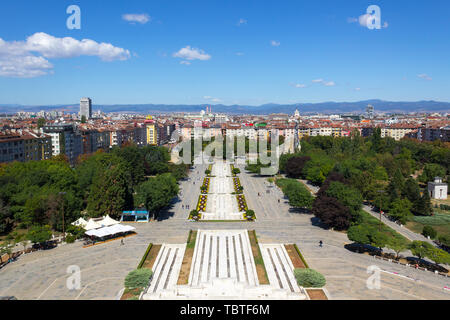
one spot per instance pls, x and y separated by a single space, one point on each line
322 107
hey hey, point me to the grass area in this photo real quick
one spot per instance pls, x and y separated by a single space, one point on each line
183 277
257 256
374 222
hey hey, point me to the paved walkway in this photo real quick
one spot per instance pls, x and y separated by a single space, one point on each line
43 274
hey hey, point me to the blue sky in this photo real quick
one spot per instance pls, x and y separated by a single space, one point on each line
229 52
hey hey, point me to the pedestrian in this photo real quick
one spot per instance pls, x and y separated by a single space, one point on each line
278 200
321 243
182 206
121 242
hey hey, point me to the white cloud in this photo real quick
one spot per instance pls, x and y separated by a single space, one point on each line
425 77
142 18
325 83
28 59
52 47
364 20
185 62
212 99
189 53
274 43
298 85
241 22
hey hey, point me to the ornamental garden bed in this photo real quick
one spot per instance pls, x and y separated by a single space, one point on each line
201 205
242 204
237 186
205 186
183 277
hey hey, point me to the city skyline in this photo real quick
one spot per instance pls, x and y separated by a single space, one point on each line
217 53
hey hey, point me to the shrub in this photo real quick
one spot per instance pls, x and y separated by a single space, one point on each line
428 231
70 238
309 278
138 278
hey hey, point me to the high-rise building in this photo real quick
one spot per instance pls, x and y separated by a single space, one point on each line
370 111
86 108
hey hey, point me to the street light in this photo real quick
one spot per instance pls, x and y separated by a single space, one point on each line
64 233
381 204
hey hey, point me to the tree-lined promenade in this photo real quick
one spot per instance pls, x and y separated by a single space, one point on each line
39 195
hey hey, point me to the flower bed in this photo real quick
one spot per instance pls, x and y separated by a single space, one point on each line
205 186
242 204
237 185
201 205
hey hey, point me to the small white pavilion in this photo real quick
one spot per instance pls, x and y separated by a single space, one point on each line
438 189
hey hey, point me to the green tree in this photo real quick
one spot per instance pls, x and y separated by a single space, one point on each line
348 196
420 249
439 256
109 193
428 231
83 119
423 205
397 245
39 234
157 193
430 171
400 210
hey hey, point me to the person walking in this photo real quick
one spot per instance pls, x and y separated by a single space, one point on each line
182 206
121 242
321 243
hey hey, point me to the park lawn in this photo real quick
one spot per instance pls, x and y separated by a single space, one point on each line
367 219
183 277
440 222
257 256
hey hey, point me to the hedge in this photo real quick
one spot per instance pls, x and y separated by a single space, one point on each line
145 256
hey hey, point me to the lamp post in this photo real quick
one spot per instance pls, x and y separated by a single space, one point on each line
63 227
381 204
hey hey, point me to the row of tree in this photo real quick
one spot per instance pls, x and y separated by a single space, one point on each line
39 193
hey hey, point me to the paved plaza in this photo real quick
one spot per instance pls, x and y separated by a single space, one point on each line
43 274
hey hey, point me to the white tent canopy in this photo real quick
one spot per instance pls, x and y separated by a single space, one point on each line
108 221
107 231
91 225
80 223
